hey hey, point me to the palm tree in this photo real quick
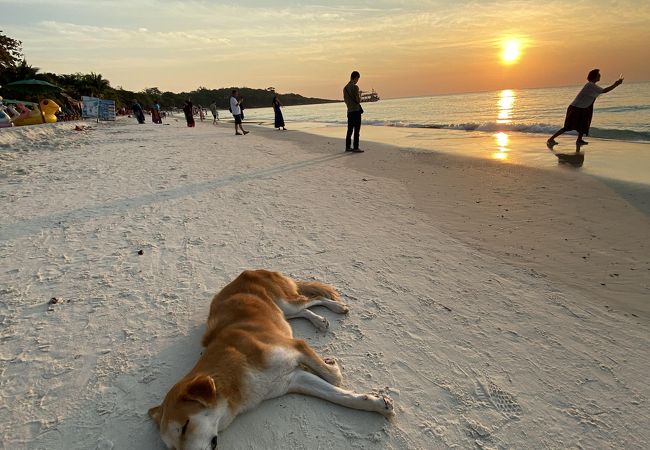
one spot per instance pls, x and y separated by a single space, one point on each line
26 72
21 71
96 84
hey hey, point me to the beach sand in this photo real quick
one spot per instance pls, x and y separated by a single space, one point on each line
500 305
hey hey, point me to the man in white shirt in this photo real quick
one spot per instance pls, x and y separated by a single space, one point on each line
580 111
235 109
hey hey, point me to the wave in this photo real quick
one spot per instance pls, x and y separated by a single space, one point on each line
622 109
538 128
620 135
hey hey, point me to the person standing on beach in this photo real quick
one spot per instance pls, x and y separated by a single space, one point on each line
352 98
188 109
235 109
155 113
279 119
215 113
137 111
580 111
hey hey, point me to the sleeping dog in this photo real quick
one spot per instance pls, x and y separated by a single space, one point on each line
250 355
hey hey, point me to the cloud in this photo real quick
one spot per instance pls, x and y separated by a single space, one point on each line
253 39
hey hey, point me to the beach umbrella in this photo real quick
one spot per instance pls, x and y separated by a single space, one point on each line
33 86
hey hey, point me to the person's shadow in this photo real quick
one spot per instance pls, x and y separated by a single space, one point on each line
573 159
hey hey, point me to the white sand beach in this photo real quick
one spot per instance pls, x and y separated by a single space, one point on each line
501 306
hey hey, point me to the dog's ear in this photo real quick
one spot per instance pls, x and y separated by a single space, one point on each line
156 414
201 389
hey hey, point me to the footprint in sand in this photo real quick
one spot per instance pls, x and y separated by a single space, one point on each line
503 401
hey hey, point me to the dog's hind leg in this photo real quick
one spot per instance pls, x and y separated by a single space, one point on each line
321 294
326 368
312 293
319 322
298 307
303 382
307 295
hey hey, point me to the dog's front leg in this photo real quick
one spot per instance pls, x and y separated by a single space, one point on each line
303 382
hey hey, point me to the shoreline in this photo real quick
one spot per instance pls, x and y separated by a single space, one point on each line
625 161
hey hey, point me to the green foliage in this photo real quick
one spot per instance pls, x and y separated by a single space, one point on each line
253 98
12 64
10 52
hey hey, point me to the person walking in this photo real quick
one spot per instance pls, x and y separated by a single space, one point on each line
352 98
581 110
279 119
188 109
235 109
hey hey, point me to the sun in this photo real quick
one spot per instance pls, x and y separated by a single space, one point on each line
511 51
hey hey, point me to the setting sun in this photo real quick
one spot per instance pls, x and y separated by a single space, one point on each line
511 51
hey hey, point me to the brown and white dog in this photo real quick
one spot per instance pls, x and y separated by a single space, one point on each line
250 355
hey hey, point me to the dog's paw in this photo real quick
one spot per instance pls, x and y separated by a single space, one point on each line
389 408
381 403
334 304
335 371
344 309
321 323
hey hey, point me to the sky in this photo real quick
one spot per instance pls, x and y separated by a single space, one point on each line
401 48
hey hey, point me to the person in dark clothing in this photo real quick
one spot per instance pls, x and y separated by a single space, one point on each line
352 97
137 111
188 109
279 119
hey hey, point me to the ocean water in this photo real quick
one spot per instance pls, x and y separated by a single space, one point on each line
622 114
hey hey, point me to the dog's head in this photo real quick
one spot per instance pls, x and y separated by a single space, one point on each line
189 416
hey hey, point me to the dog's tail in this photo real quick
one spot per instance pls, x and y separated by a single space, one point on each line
314 289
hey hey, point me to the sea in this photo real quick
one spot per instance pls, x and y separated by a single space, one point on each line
622 114
620 131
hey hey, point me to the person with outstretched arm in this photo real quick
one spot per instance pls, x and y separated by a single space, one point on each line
580 111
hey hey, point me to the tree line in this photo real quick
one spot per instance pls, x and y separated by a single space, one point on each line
14 67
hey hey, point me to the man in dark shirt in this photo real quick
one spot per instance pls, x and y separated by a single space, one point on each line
352 98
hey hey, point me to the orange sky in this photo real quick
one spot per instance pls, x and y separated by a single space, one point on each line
400 48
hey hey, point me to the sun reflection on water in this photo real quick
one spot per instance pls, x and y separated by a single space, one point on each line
505 108
506 105
502 144
502 140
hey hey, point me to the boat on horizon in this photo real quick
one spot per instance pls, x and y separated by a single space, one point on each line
371 96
